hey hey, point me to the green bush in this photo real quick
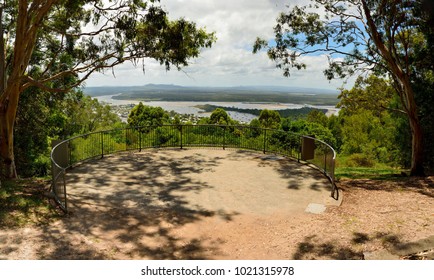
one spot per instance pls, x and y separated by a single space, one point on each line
360 160
42 166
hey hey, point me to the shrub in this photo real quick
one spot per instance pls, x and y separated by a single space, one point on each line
360 160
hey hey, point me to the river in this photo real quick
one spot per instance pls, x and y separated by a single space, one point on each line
189 107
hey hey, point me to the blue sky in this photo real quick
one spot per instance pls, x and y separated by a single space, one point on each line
230 61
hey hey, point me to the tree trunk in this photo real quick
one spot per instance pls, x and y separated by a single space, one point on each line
8 110
402 80
6 151
417 147
417 139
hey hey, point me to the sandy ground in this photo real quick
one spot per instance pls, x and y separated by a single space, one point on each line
215 204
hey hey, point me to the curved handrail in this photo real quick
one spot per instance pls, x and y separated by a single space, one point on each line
331 174
98 144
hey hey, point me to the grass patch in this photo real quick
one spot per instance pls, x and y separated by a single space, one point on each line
378 173
23 202
356 167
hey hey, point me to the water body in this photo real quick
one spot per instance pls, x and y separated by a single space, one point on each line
188 107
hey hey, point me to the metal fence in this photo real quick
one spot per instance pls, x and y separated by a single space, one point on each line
304 149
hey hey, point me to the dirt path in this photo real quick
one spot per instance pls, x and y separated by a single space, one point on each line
214 204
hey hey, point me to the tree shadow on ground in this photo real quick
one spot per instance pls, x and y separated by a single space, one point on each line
134 217
132 205
294 172
312 247
422 185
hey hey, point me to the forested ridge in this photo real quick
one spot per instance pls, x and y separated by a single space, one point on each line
293 113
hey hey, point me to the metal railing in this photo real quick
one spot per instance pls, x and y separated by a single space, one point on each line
98 144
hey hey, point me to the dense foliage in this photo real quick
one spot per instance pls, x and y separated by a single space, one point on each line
142 115
56 45
390 38
43 116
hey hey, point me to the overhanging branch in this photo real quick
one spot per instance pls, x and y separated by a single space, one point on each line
87 70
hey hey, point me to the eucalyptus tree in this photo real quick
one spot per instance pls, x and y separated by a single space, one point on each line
143 116
55 45
220 116
269 119
358 35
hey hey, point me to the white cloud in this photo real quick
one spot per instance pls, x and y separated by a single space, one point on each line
230 61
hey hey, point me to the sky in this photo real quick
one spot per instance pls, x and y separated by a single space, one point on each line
230 62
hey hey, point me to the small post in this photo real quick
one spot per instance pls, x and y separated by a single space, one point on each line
308 148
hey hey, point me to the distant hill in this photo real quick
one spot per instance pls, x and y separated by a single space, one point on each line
109 90
266 94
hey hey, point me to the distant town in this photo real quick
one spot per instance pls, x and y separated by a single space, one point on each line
124 110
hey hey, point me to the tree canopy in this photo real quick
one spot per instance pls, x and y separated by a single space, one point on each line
269 119
220 116
55 45
379 36
42 117
142 115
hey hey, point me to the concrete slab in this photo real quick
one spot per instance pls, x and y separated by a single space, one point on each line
315 208
380 255
218 182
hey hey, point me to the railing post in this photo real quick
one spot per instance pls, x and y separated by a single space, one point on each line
70 153
224 137
332 175
265 140
325 162
180 130
102 144
299 148
126 139
140 140
65 199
